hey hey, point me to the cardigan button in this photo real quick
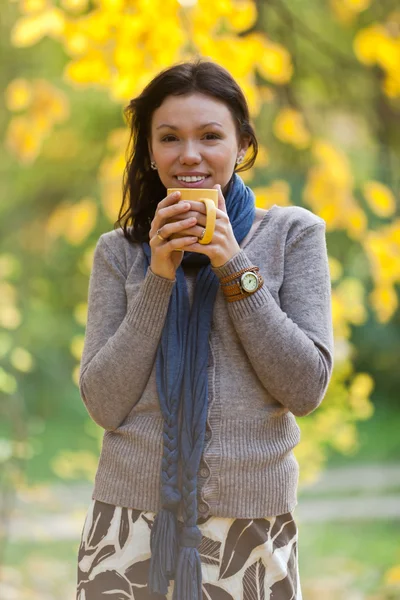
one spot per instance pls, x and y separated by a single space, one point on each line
204 472
207 435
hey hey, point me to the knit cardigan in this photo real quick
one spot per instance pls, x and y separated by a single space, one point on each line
270 360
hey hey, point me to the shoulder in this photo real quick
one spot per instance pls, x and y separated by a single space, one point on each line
291 221
118 249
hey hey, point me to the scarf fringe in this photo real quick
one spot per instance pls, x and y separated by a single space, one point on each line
164 551
188 580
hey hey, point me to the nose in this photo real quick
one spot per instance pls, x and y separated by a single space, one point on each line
189 154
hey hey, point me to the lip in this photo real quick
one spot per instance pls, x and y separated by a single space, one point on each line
194 184
192 174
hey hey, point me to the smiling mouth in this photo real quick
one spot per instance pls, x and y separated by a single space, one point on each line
183 183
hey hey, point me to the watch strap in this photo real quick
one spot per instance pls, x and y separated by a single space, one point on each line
233 276
235 288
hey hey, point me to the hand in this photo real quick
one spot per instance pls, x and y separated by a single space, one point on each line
224 244
165 259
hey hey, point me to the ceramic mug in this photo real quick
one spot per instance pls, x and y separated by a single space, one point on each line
210 199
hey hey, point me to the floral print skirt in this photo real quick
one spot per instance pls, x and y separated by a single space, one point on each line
241 559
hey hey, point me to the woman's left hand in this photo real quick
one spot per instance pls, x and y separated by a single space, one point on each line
224 244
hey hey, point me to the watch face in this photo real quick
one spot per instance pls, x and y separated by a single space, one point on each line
249 282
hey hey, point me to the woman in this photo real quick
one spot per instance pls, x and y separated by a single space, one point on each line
196 362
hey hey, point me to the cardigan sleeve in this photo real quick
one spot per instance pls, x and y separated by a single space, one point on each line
290 346
120 345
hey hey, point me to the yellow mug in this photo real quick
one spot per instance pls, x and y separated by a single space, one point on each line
210 198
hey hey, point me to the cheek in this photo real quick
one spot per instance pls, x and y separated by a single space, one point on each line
222 155
164 154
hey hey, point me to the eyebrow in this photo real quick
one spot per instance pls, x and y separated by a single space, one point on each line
200 126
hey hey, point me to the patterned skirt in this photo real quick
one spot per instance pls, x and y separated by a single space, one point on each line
241 559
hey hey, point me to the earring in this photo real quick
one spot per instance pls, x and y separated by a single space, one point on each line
153 165
239 160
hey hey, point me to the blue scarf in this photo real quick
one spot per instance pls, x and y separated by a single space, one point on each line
181 371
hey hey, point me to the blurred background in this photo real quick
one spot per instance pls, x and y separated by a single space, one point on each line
322 79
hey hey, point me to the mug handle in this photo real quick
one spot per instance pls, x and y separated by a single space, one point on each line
211 212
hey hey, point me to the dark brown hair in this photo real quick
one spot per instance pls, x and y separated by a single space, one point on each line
142 187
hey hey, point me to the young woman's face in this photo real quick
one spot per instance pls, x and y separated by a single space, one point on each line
194 134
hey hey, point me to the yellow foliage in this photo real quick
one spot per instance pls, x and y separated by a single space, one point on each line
262 159
267 94
382 248
347 10
91 68
357 222
243 15
310 456
22 360
8 383
80 313
75 374
275 63
85 261
289 127
31 29
377 44
329 190
335 268
18 94
10 316
384 301
391 85
74 221
32 6
69 464
351 293
5 343
9 265
345 438
278 192
111 172
359 391
334 162
75 6
76 346
339 319
392 576
81 221
23 139
380 198
26 133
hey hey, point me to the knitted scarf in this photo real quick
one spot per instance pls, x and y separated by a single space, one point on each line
181 371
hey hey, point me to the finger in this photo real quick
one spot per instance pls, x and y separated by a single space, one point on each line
177 243
199 207
221 199
196 247
177 226
172 211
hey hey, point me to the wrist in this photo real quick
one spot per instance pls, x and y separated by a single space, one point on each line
162 275
221 261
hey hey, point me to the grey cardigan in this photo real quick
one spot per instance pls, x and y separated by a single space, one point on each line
270 359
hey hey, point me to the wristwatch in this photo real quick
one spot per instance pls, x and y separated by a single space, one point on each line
248 282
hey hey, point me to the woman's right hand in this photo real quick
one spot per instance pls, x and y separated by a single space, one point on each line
165 259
